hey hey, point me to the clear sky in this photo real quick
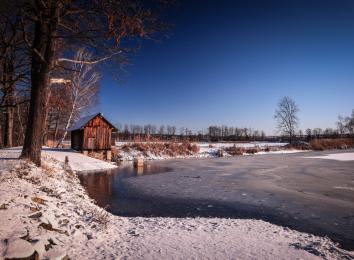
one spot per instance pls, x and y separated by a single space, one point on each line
229 62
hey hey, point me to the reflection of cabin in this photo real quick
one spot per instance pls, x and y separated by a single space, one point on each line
92 134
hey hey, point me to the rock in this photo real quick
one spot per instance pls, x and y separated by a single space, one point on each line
49 227
20 249
63 222
34 209
55 254
36 215
38 200
4 206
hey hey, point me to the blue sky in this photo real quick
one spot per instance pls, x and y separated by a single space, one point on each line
229 62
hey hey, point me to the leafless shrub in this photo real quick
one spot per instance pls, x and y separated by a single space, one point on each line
299 146
49 170
23 171
327 144
193 148
100 216
163 148
234 150
253 150
116 156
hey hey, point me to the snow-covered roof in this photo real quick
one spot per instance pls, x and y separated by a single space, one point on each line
83 121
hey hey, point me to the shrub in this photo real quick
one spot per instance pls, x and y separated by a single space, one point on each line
253 150
233 150
160 148
193 148
327 144
299 145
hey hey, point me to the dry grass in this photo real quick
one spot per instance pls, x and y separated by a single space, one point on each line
234 150
100 216
328 144
48 169
116 156
299 146
253 150
160 149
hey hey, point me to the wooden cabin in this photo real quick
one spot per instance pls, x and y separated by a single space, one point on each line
93 134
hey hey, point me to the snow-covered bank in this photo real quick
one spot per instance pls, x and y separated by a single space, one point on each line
46 211
129 151
77 160
336 156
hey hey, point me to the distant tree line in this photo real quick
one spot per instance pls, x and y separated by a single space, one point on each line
167 132
149 132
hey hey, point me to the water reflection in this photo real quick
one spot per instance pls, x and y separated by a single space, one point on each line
107 187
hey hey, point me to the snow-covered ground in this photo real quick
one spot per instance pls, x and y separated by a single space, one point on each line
46 210
206 150
336 156
77 160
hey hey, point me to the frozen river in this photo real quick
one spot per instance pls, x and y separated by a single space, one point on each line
307 194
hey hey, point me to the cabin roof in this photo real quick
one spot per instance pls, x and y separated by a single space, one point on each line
82 122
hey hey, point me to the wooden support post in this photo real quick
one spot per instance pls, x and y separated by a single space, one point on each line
220 152
138 162
109 155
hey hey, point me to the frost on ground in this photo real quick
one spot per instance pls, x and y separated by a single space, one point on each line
46 212
336 156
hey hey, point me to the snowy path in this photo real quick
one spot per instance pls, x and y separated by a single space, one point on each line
77 161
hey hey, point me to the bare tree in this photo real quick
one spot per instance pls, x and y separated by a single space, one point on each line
13 68
286 117
341 125
111 28
350 123
83 89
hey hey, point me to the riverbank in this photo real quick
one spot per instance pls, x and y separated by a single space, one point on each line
46 211
128 151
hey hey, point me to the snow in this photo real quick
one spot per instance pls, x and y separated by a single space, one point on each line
78 161
283 151
19 248
72 225
336 156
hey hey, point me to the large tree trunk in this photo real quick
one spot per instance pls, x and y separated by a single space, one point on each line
9 123
41 64
8 71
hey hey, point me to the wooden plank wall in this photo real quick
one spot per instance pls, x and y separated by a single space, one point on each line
97 135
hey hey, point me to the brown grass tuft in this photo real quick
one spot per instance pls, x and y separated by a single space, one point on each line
160 148
328 144
234 150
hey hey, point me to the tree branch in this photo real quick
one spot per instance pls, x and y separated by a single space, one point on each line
91 62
